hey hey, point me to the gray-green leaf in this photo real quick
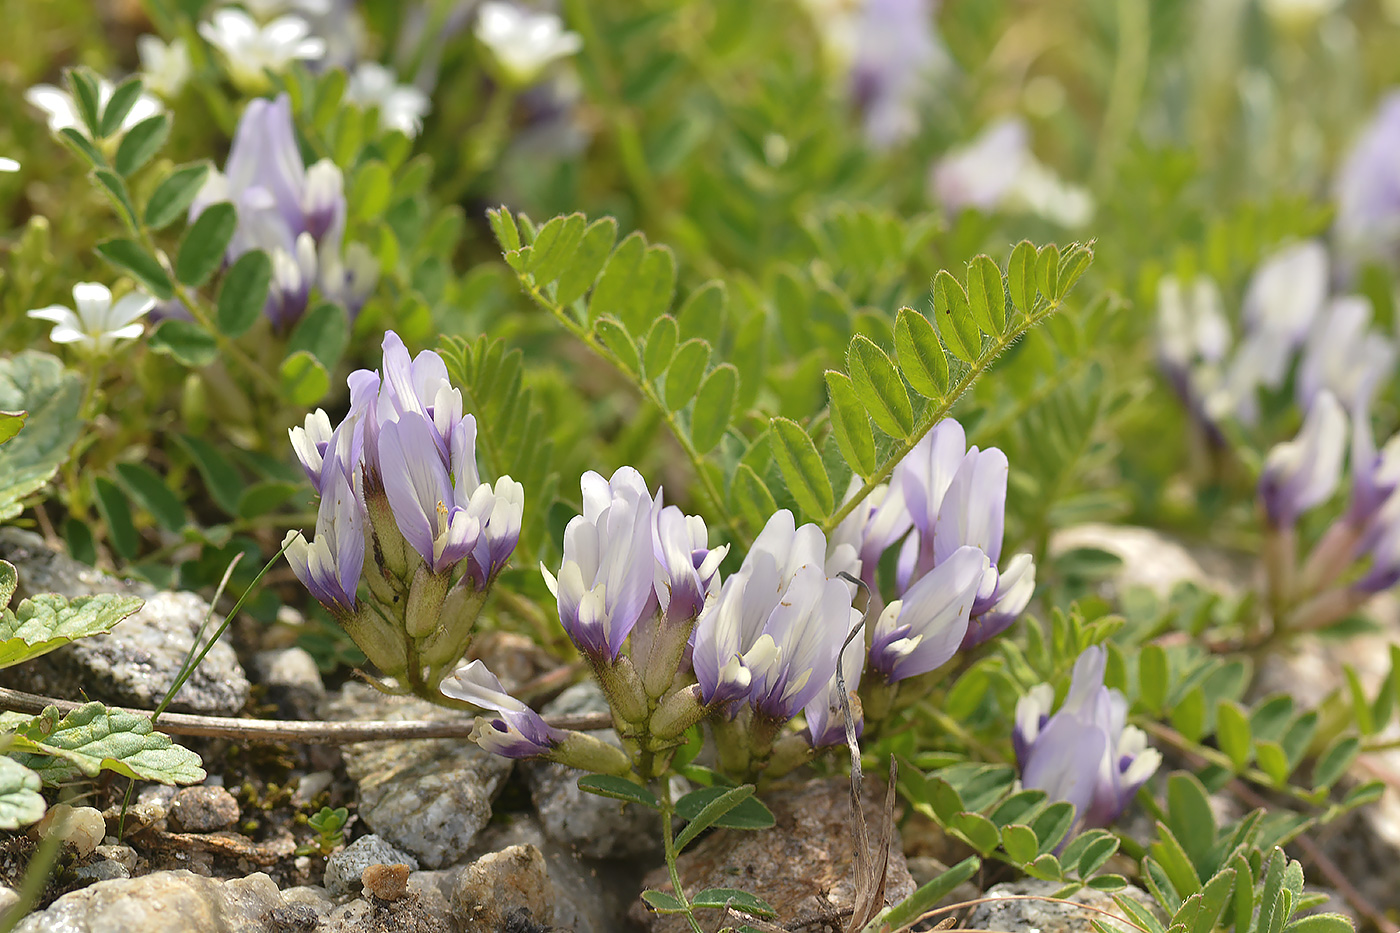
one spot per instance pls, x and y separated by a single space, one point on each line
37 383
94 738
20 800
45 622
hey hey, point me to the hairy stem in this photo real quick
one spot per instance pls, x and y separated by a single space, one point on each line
648 392
936 413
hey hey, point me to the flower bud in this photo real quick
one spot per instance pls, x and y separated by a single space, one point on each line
678 712
590 753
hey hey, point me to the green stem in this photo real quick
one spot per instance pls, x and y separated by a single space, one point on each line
668 841
648 392
936 413
1212 756
201 314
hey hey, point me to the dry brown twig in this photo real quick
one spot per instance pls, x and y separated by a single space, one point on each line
309 732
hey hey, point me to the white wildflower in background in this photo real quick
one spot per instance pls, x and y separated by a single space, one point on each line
62 112
8 165
998 171
249 49
164 68
401 106
98 323
524 42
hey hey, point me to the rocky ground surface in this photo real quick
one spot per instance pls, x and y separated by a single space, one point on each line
442 837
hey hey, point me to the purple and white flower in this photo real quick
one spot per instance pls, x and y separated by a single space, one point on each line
1305 471
957 498
294 213
604 587
1285 297
516 731
1342 354
924 628
774 633
330 565
897 58
1085 753
997 171
1368 189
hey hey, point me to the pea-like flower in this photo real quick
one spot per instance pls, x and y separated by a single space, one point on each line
433 533
1285 297
896 58
774 634
250 48
922 630
330 565
1368 189
295 213
997 171
523 42
516 731
1085 753
957 498
604 586
1343 355
1304 472
98 322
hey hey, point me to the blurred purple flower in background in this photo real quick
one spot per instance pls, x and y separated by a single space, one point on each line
295 214
1368 190
1304 472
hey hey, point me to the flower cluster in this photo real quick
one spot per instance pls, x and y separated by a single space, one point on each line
640 594
947 502
1287 316
294 213
1085 753
403 510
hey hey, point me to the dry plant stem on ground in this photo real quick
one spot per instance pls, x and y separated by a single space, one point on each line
315 732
